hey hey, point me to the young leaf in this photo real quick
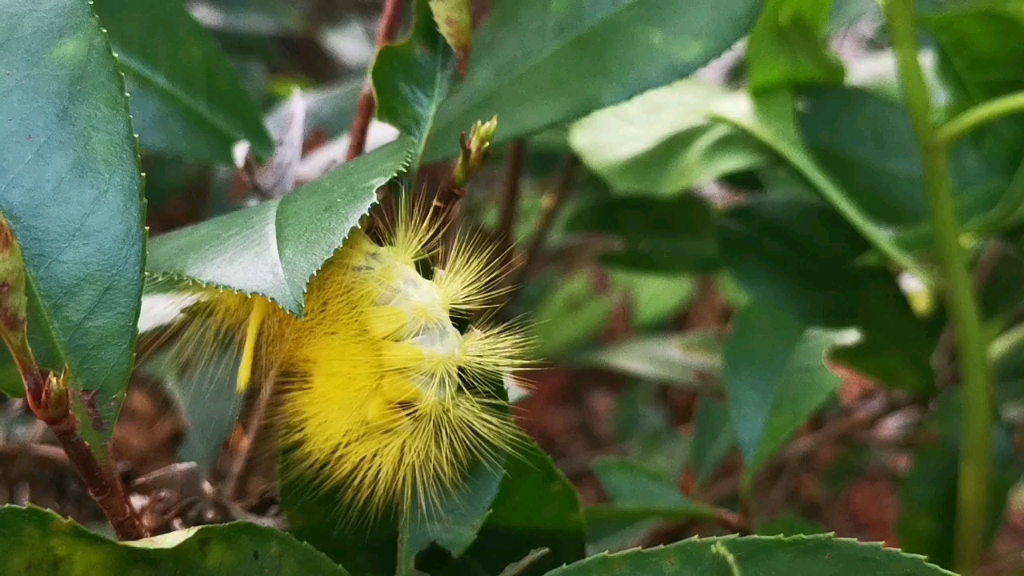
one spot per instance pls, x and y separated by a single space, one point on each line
411 80
38 542
822 555
72 192
454 20
789 46
195 105
663 141
274 248
592 47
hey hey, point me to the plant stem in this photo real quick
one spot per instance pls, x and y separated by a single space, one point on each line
364 108
982 114
553 202
976 435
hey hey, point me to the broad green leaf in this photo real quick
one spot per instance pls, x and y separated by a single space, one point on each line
868 144
411 80
274 248
800 256
637 493
329 108
822 555
70 186
713 438
38 542
529 51
775 377
670 234
192 103
663 141
789 46
536 507
669 358
569 317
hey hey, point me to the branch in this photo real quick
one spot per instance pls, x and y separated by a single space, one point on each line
510 198
553 202
364 109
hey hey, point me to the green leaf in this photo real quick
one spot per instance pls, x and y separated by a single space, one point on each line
73 194
569 317
713 438
775 377
274 248
868 144
528 52
193 103
789 46
536 507
411 80
654 299
977 67
37 542
663 141
637 493
669 358
761 555
670 234
801 257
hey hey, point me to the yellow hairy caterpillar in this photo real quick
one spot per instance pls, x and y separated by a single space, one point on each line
385 390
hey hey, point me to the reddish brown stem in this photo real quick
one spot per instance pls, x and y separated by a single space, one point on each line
389 21
103 485
553 202
510 194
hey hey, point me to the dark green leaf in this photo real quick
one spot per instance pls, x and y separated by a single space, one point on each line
713 439
801 257
775 377
411 80
274 248
536 507
73 194
674 234
789 46
867 143
528 52
193 96
663 141
37 542
761 555
637 493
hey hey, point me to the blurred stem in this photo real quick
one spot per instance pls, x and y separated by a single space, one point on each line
982 114
976 435
389 21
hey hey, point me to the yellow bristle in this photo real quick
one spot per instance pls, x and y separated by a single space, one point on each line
259 312
381 394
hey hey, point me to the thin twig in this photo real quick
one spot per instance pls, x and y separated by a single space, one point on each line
510 193
554 200
364 109
241 460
